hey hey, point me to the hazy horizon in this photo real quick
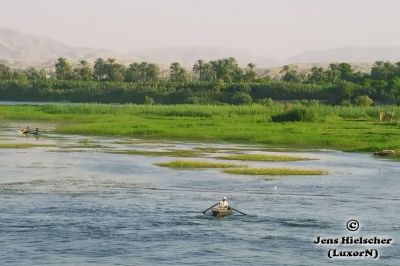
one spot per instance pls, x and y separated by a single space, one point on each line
277 28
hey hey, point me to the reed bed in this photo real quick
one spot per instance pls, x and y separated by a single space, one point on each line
346 128
198 110
197 164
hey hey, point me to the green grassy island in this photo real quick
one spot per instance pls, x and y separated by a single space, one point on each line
314 126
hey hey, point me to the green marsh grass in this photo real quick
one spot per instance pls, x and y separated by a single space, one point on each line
263 157
273 171
337 127
197 165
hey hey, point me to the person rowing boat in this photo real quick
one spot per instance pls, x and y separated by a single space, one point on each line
223 203
222 208
27 130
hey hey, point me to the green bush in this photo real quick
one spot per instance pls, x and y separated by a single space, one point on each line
148 100
364 101
241 98
266 101
345 103
193 100
297 114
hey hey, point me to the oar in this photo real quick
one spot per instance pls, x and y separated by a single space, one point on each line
238 211
210 208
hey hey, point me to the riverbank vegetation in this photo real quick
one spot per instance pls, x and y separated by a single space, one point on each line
220 81
346 128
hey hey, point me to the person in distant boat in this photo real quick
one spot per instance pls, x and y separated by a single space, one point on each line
223 203
27 130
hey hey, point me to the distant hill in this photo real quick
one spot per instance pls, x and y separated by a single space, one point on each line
187 55
348 54
22 50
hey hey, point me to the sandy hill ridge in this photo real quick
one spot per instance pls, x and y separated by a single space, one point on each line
20 50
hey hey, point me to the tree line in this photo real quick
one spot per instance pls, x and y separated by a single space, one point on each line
226 69
221 80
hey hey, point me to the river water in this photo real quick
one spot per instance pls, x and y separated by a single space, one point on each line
75 203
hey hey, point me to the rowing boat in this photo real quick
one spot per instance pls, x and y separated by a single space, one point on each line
26 132
221 211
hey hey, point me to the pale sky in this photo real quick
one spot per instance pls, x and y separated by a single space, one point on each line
277 28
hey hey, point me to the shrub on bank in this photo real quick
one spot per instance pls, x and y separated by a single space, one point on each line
364 101
241 98
297 114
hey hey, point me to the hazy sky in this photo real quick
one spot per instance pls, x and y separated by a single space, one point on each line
277 28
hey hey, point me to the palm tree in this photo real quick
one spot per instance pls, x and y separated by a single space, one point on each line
290 74
251 74
251 66
398 68
382 70
111 60
99 69
220 69
63 69
152 72
174 70
143 70
84 71
133 73
31 73
285 69
114 70
208 73
198 67
317 75
226 69
5 72
334 75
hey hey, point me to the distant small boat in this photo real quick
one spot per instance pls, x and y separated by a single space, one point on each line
30 132
221 211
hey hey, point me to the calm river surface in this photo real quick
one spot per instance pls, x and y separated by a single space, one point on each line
75 203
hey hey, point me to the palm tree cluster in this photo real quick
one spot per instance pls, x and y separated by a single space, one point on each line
106 70
335 73
226 69
220 80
